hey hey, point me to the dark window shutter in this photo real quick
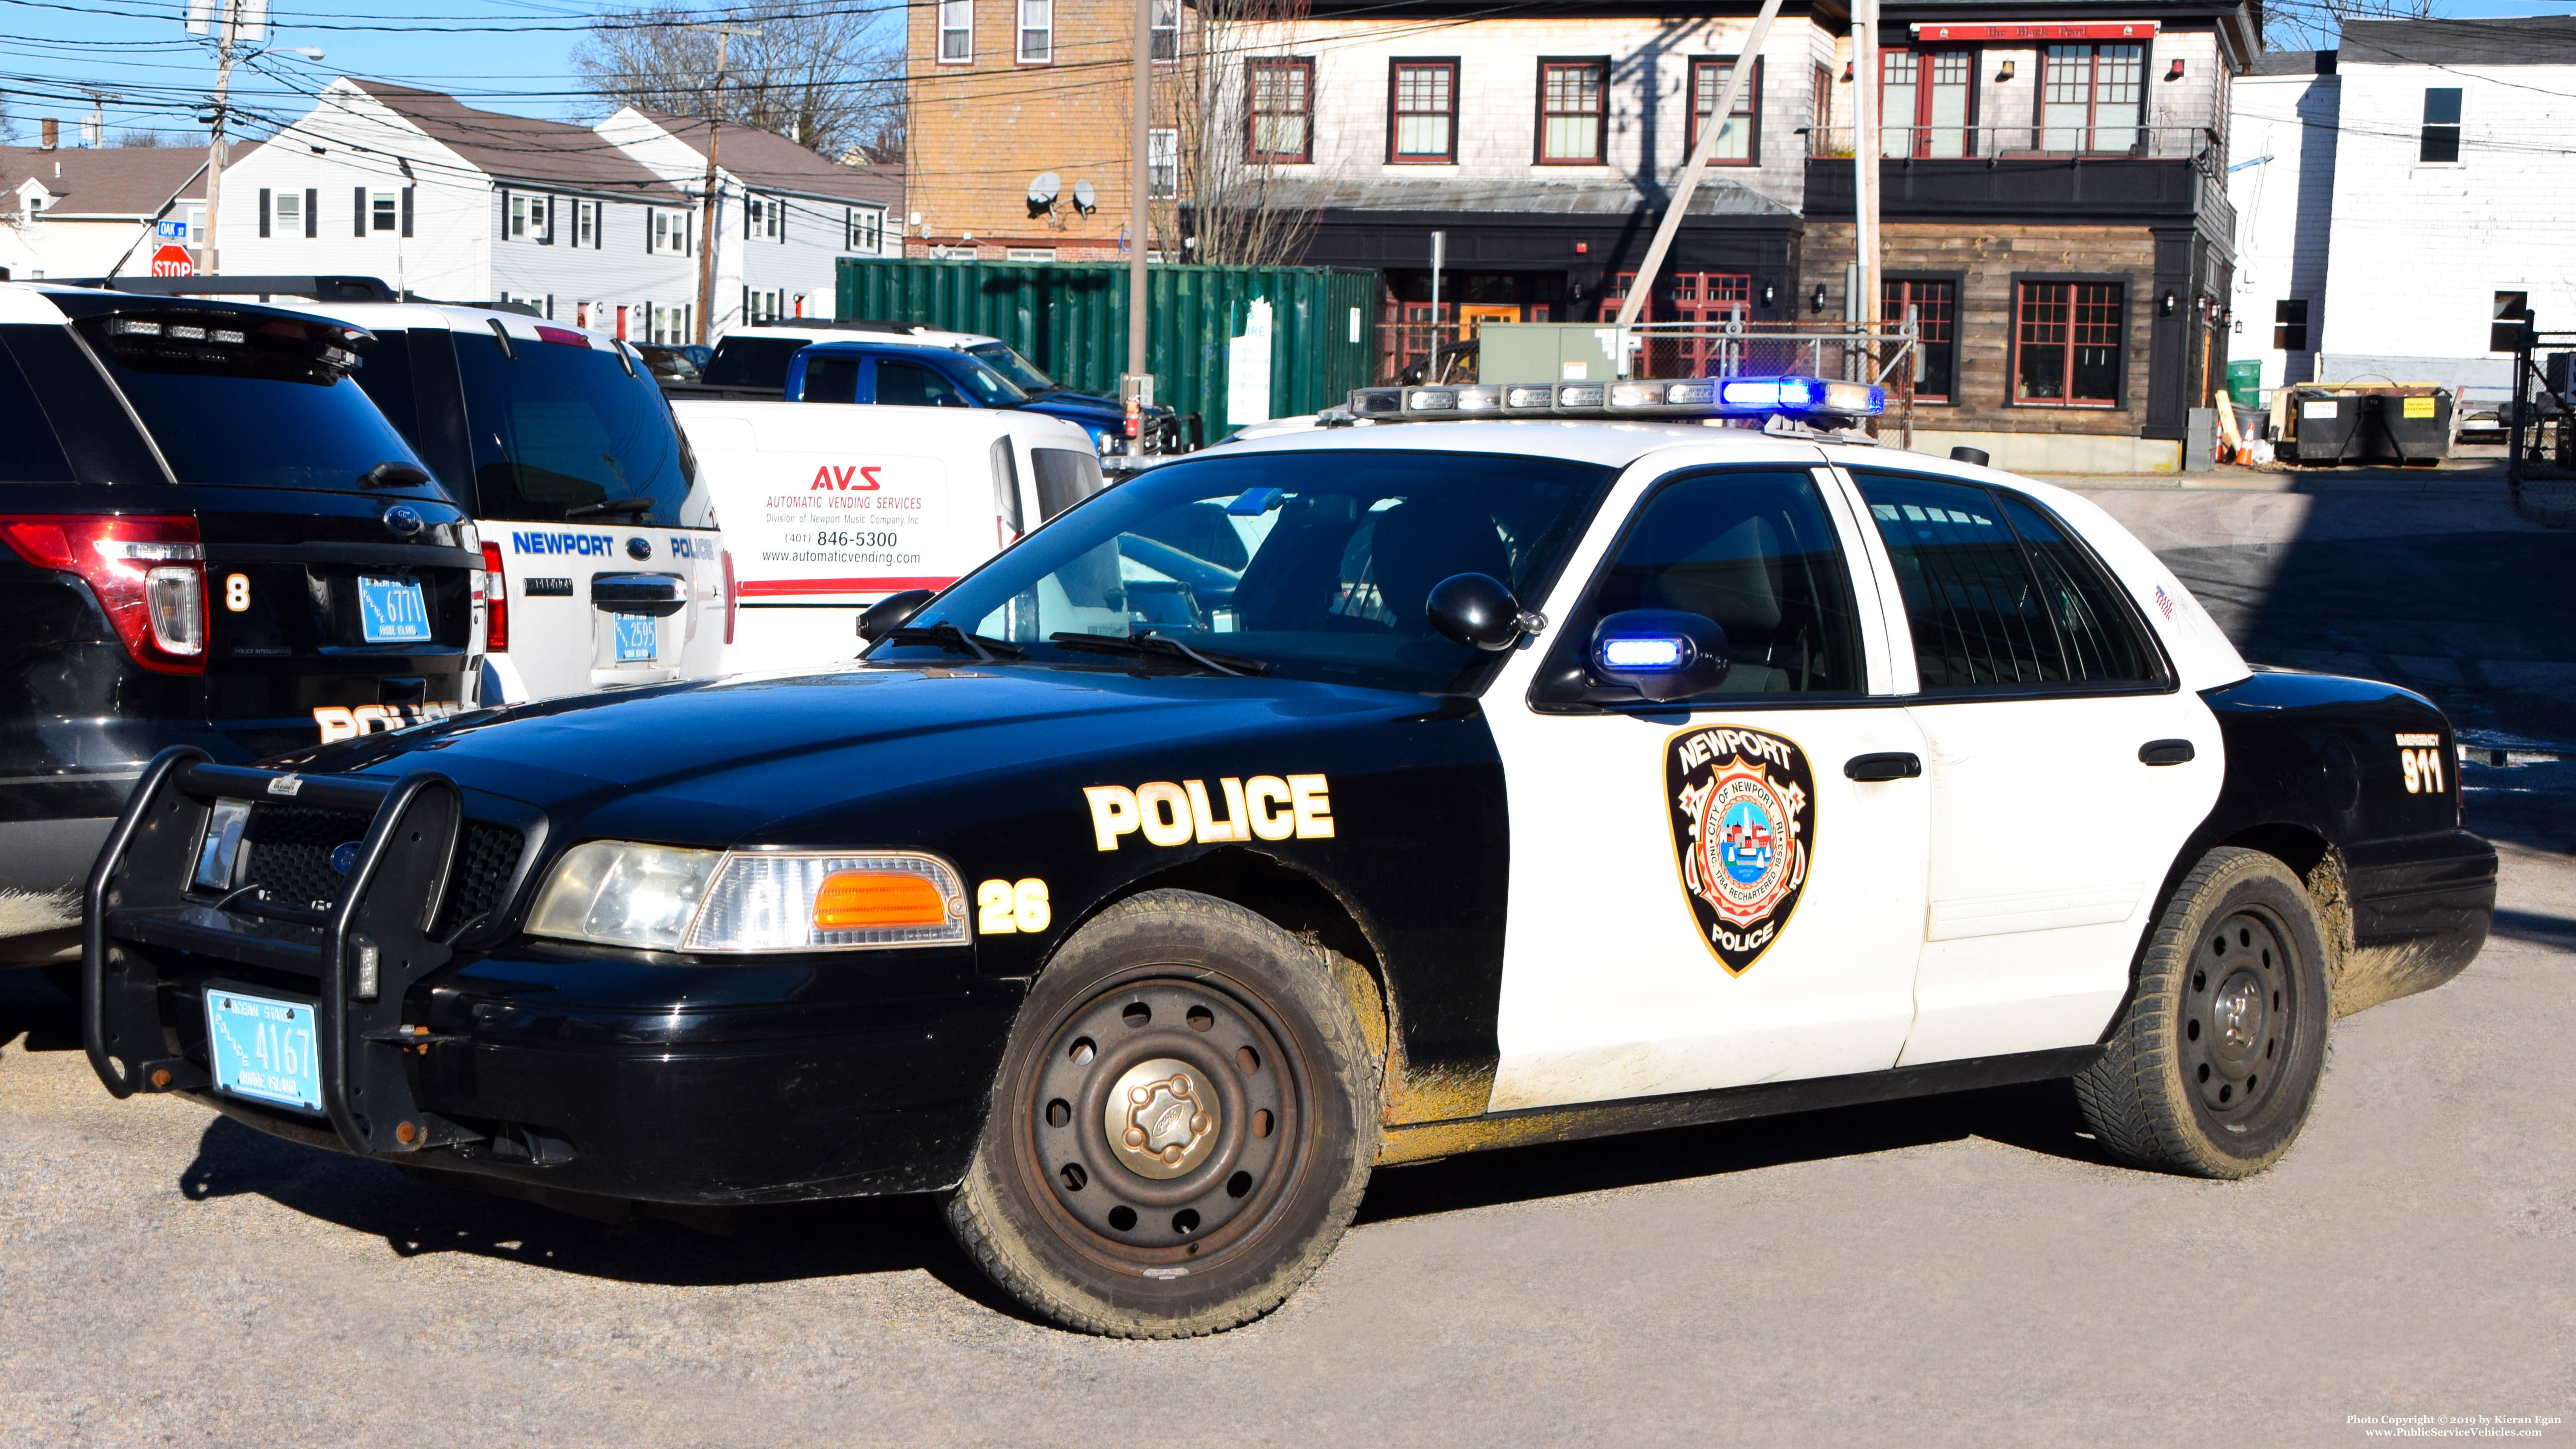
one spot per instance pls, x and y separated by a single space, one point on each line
545 220
358 211
312 211
263 211
406 211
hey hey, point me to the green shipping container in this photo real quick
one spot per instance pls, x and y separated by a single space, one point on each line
1071 320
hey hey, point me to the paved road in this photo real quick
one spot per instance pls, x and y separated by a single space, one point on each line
1957 1271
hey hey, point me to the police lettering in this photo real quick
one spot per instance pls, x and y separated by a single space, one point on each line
586 545
1265 807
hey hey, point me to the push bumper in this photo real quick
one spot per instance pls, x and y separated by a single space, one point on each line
659 1079
2421 910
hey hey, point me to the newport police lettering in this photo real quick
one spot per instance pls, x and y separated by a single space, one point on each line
1744 829
587 545
1265 807
683 547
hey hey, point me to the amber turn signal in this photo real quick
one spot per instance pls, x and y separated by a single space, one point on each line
853 900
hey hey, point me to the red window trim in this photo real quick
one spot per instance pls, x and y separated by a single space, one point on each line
2093 95
1753 117
1921 120
1395 69
1601 134
1893 308
2120 347
1251 118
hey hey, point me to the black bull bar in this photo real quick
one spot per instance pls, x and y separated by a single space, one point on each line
363 952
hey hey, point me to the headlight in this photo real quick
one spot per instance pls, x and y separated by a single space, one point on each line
665 899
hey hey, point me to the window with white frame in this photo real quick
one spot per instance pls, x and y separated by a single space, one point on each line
290 213
762 306
1163 164
670 234
1037 31
585 223
866 230
1029 254
761 216
956 31
1167 29
385 209
518 224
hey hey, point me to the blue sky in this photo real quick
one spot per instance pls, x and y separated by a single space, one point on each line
139 48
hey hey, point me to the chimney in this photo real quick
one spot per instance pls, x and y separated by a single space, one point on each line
53 134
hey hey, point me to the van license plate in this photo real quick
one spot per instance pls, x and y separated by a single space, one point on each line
391 611
262 1047
638 638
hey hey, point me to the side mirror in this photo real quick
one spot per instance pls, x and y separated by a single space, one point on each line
889 613
1478 610
1661 653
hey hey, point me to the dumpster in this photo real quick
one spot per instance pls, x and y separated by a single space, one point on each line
2406 422
2245 382
2416 425
2321 425
1227 345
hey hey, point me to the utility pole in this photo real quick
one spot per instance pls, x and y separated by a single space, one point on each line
1679 204
1136 389
243 20
1866 148
707 206
94 130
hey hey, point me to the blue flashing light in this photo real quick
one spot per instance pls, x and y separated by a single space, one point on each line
1665 652
1700 397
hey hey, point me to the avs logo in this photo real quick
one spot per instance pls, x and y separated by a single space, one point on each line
580 545
1744 827
853 479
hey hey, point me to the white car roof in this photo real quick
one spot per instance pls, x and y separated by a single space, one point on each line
918 336
406 316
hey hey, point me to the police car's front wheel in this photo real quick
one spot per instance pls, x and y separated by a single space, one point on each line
1182 1128
2212 1070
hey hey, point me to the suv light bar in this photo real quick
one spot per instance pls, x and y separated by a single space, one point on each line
1698 397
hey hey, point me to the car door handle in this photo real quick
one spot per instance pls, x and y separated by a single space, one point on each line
2166 752
1894 765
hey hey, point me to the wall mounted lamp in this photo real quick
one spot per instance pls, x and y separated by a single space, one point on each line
2165 304
1770 294
1847 73
1816 303
2005 72
2175 74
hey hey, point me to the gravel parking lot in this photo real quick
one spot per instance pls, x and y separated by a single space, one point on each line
1964 1270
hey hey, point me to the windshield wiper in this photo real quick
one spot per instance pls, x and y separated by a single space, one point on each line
957 641
1160 647
610 505
391 474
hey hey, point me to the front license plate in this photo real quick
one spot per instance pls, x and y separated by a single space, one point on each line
391 611
265 1048
638 638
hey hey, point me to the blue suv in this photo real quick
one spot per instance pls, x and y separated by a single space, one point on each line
918 375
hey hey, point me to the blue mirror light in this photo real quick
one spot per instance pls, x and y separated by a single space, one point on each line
1662 654
1649 652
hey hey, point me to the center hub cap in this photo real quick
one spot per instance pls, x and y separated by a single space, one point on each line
2239 1014
1161 1118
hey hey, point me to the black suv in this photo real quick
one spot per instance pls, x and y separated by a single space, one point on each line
208 536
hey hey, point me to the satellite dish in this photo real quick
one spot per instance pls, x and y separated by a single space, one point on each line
1043 189
1085 200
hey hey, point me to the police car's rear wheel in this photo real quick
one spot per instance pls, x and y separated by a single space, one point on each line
2213 1069
1182 1128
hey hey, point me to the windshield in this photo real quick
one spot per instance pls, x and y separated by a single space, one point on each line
247 398
753 361
1313 563
1010 364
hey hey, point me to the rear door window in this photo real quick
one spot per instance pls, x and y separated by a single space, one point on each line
560 431
753 361
831 379
911 385
29 451
246 399
1978 617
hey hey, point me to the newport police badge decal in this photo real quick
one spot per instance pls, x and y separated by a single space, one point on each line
1744 827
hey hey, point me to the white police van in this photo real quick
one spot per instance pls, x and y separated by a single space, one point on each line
603 562
834 506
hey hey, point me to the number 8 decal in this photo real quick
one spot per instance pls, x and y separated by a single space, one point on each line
237 592
1004 908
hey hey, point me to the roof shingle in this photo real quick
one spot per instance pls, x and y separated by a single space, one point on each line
108 180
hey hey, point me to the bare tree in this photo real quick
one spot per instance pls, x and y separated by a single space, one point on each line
144 140
1222 194
825 77
2316 24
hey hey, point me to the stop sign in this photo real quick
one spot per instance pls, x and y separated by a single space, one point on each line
173 261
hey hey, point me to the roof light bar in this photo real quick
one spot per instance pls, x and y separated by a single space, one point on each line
1694 398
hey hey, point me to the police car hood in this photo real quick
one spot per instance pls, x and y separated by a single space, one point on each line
794 760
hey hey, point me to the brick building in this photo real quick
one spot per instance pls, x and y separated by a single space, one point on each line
2052 174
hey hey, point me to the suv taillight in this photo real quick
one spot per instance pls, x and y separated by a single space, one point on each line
496 602
732 597
149 575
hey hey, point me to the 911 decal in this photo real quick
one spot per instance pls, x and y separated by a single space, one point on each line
1267 807
1744 827
2420 756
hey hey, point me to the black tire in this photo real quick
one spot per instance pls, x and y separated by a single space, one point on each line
1260 1140
2213 1069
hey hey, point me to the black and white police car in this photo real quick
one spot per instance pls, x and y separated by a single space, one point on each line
1553 766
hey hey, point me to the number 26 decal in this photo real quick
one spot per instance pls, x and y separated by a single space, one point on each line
1003 907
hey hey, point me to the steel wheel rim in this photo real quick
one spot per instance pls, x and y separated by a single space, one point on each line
1229 1187
2239 1019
